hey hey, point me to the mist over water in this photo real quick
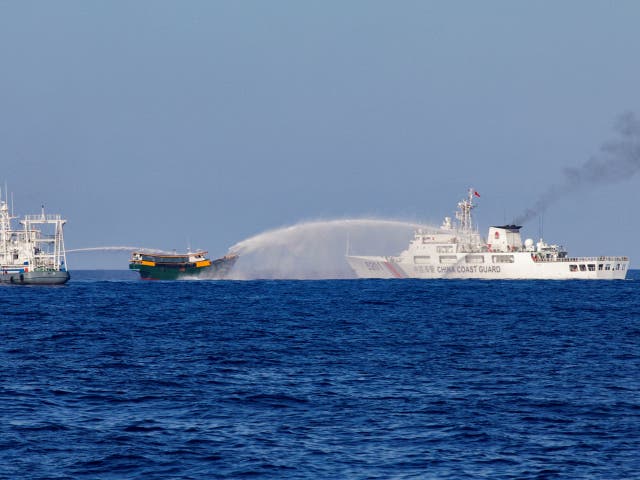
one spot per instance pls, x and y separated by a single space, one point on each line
317 249
306 250
618 159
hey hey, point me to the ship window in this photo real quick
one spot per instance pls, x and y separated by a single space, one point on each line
474 259
445 249
607 266
583 267
421 259
600 266
617 266
173 259
573 268
502 258
592 267
448 259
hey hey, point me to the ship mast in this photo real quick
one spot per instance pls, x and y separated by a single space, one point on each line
463 215
5 228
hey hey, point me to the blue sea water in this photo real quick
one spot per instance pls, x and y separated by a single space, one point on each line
109 377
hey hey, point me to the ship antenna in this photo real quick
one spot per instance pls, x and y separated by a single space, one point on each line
464 214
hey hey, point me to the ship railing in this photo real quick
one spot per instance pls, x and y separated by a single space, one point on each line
49 217
44 256
585 259
48 267
45 238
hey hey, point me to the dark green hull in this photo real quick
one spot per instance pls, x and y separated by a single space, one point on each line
218 269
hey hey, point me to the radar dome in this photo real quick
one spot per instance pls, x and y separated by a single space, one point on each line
528 243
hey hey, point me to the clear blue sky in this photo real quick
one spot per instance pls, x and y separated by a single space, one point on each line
158 123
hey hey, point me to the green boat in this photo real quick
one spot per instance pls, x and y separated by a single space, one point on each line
180 266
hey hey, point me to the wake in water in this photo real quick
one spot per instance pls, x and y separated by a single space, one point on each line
317 249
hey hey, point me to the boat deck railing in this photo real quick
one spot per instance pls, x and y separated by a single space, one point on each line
42 218
585 259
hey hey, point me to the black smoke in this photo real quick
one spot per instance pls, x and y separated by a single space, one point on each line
618 159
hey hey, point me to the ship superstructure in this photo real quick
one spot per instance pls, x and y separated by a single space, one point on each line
34 253
456 250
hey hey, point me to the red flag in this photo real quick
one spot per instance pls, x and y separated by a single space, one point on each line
476 194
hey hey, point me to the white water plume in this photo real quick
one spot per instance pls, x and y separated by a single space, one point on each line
317 249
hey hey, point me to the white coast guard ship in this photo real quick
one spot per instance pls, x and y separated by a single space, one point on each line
33 254
458 251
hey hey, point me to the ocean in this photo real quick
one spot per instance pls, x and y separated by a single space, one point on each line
110 377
